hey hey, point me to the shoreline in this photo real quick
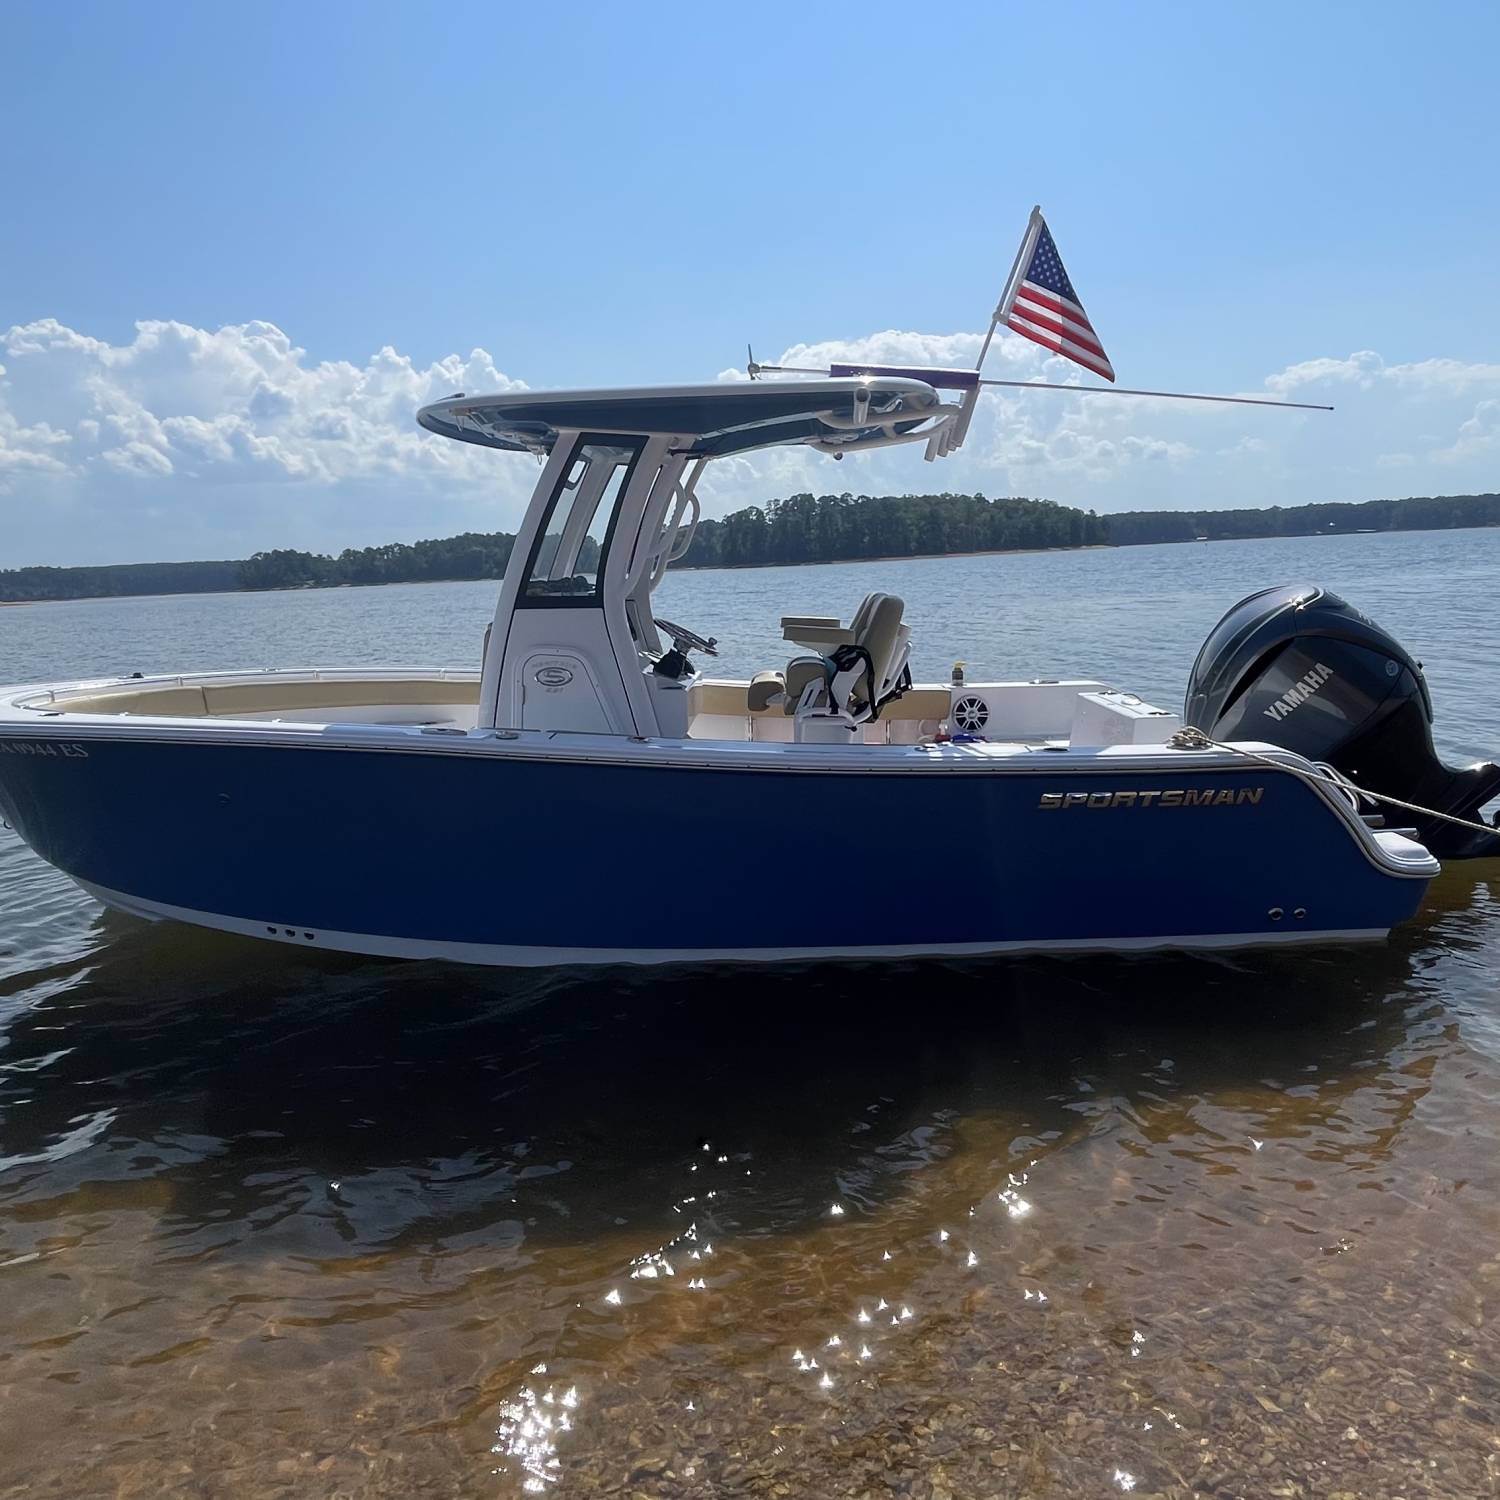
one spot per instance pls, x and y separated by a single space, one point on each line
834 562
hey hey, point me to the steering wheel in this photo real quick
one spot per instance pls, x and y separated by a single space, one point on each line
688 640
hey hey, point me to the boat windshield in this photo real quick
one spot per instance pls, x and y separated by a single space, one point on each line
568 558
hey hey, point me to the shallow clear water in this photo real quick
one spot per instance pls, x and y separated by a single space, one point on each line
279 1223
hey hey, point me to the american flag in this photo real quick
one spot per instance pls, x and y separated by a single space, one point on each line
1045 309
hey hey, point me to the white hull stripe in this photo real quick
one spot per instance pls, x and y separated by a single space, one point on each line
512 956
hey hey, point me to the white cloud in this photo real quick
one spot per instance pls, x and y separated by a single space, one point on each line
189 442
1362 369
1367 370
34 449
236 437
1434 387
1479 435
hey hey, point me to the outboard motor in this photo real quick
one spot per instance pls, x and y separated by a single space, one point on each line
1298 667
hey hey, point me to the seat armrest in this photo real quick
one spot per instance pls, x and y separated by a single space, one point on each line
789 620
819 638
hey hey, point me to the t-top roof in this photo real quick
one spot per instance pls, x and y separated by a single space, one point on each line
715 419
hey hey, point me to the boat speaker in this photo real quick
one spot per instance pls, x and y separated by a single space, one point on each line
971 714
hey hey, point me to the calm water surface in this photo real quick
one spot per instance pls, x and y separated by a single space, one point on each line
286 1223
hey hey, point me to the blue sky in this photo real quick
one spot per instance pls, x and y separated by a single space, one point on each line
240 244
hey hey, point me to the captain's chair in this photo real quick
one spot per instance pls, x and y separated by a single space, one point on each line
862 665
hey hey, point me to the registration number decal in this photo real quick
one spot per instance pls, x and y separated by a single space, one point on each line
55 748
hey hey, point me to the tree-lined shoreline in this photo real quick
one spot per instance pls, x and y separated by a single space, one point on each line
799 530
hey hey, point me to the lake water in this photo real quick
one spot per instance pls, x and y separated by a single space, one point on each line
278 1223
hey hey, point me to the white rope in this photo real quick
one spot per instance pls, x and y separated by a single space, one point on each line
1189 738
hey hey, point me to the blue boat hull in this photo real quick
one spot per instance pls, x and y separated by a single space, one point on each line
508 859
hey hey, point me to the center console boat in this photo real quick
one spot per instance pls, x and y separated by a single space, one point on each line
539 809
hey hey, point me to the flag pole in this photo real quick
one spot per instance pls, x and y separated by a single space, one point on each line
1008 296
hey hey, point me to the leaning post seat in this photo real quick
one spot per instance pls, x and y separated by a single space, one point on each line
824 687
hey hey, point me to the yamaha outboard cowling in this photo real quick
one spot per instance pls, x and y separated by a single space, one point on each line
1298 667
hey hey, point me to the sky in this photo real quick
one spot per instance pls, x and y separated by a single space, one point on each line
240 245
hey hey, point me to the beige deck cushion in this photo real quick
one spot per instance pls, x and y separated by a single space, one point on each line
169 702
272 697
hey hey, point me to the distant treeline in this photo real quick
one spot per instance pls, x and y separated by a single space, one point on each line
1424 513
843 528
119 579
801 529
473 555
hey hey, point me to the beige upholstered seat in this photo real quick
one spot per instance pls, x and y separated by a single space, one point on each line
765 687
876 627
862 616
803 672
882 637
785 689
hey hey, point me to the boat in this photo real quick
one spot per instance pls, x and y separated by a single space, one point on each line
585 792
